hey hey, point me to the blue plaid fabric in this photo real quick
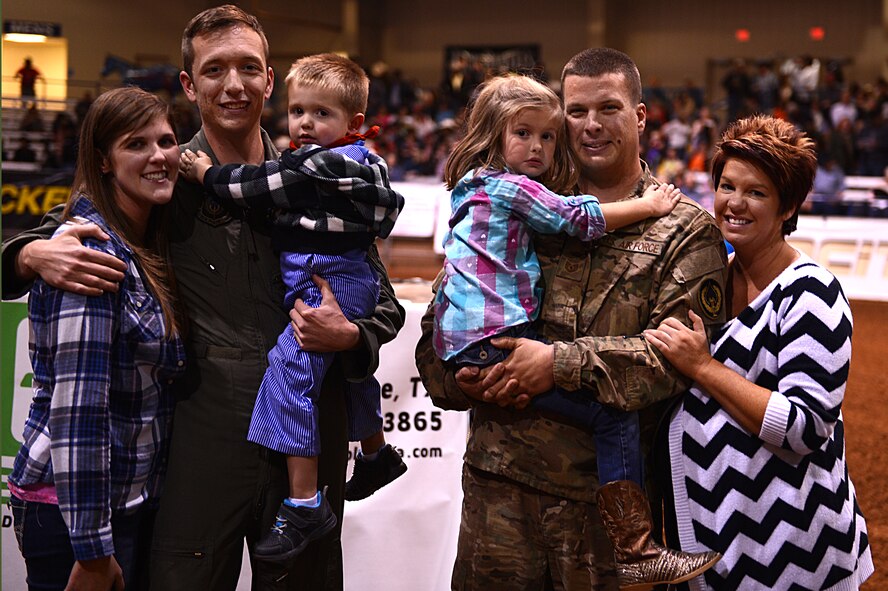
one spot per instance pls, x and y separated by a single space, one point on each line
99 424
491 270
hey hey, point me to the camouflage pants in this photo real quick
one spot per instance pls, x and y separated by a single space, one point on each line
513 537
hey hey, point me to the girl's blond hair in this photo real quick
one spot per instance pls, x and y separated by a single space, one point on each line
499 100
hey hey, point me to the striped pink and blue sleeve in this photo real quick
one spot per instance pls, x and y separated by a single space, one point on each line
546 212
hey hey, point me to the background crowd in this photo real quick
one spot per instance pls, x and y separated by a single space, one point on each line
848 119
419 125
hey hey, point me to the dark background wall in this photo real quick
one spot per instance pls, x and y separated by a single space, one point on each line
671 41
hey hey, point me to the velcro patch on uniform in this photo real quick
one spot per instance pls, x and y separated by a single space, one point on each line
212 213
711 299
646 246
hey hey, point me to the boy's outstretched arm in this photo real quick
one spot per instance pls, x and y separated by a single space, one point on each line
194 166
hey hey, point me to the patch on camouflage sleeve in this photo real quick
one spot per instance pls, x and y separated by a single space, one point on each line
711 299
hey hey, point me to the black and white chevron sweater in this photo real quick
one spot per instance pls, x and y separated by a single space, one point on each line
779 505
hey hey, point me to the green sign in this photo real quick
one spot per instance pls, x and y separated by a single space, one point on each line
15 381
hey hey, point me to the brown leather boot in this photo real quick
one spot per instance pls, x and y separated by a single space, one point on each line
642 562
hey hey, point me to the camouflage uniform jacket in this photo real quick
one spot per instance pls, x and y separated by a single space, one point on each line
629 280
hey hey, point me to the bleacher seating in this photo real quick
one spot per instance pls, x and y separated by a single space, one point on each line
39 141
13 136
865 196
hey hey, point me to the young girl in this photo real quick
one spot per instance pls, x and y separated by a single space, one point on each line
513 146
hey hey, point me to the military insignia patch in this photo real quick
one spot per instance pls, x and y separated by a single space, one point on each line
212 213
711 299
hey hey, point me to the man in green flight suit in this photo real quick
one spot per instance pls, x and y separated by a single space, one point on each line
220 488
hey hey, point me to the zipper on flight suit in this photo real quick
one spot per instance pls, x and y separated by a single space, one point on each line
210 265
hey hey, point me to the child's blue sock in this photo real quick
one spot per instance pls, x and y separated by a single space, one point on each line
311 502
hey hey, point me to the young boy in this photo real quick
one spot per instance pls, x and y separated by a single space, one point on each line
330 198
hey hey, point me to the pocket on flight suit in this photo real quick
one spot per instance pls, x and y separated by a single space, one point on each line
181 564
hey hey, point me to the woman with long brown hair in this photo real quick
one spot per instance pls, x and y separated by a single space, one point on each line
88 475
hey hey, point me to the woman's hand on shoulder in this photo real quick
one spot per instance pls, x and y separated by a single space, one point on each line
687 349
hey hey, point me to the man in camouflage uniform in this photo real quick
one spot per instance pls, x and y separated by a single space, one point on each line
529 515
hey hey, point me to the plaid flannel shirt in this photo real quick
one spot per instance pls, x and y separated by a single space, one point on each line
491 271
314 191
99 424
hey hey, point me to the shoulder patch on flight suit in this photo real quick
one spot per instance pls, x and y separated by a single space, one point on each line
212 213
711 298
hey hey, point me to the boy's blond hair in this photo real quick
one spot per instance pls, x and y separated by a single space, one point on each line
334 73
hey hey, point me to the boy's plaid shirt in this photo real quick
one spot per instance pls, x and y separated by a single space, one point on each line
348 196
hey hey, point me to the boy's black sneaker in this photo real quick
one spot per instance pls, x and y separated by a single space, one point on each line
294 529
371 475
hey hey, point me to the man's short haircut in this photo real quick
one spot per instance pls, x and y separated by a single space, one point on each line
776 147
216 19
333 73
598 61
